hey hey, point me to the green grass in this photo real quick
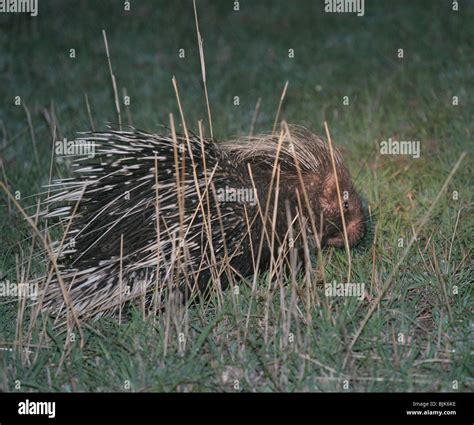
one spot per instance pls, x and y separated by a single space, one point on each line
258 339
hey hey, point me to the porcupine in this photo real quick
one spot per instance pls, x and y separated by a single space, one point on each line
150 210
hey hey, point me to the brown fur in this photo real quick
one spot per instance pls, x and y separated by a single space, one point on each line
305 168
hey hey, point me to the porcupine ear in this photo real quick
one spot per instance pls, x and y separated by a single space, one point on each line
329 193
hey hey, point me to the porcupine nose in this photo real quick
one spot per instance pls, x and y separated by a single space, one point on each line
355 232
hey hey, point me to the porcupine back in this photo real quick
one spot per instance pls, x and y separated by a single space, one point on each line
119 200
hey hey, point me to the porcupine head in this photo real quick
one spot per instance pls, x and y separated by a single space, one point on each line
328 202
307 185
330 196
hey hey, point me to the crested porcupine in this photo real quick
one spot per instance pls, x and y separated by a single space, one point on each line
150 212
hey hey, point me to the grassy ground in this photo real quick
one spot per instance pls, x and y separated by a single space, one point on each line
419 337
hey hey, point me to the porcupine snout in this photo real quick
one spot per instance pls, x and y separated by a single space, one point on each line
351 206
355 232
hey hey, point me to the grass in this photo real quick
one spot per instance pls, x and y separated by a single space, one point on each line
420 335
